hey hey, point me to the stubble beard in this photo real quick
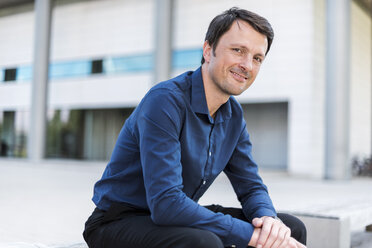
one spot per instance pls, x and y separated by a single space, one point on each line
226 88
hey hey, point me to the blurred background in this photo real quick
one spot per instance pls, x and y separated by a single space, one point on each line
71 72
102 57
104 54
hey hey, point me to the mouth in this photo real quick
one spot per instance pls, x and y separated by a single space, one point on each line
239 77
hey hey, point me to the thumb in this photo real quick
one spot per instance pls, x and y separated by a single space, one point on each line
257 222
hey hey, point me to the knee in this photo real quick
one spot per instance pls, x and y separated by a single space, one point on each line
202 239
298 228
299 232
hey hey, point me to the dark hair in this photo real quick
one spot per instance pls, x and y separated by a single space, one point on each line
222 23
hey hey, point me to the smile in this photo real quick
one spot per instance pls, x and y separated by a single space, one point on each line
238 76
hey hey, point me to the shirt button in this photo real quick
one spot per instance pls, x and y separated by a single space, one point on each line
204 182
210 154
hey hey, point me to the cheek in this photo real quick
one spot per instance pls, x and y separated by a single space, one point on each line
255 71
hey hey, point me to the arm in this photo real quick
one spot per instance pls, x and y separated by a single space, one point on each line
159 124
242 172
252 193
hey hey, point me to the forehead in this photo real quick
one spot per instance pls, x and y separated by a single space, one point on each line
244 34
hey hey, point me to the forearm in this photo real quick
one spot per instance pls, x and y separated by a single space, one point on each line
254 237
180 210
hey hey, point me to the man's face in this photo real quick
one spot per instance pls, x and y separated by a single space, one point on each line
237 59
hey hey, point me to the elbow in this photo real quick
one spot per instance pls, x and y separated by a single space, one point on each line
166 213
167 208
160 218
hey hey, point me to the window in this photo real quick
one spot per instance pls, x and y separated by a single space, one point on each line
69 69
10 74
136 63
186 59
24 73
97 66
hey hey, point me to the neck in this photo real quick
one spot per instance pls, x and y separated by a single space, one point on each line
215 98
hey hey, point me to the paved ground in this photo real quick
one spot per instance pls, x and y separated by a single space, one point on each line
46 204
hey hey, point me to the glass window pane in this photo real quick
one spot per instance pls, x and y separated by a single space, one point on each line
190 58
65 134
97 66
69 69
129 64
24 73
10 74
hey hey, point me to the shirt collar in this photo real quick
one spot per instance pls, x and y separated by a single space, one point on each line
199 102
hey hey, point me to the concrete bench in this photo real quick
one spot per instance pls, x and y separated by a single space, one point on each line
332 226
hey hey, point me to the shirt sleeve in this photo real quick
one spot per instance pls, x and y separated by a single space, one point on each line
242 172
159 124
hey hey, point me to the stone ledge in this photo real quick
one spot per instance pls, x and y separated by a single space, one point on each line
331 226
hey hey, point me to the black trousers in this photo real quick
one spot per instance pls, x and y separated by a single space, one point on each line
125 226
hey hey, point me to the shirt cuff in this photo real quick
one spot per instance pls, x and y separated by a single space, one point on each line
263 212
240 234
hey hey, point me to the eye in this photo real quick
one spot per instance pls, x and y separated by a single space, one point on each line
258 59
238 50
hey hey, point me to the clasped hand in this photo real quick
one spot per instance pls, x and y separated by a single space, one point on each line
272 233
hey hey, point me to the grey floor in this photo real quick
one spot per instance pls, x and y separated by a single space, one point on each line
46 204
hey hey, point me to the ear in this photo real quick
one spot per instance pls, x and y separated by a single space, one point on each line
207 51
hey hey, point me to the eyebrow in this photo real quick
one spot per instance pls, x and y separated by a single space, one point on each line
246 48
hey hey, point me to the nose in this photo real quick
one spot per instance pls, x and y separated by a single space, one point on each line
247 63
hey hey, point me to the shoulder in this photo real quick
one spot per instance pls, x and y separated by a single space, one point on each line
169 98
175 88
236 109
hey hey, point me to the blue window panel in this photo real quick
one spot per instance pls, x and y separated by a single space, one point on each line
128 64
70 69
24 73
189 58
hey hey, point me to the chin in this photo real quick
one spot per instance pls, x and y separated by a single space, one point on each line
235 92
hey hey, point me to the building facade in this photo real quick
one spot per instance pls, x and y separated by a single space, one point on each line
101 65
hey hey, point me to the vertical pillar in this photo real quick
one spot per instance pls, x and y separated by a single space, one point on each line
163 40
36 137
337 160
370 16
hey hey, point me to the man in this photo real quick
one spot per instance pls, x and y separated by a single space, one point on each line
181 136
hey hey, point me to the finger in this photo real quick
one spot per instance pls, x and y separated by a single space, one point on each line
280 240
265 232
299 245
286 237
273 236
257 222
292 243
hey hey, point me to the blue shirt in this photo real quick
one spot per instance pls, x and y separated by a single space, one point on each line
169 152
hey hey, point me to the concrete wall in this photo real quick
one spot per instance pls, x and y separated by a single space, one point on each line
92 29
293 71
16 36
361 80
97 28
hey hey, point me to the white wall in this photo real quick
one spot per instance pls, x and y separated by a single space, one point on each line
101 28
81 30
294 70
93 92
360 91
16 36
